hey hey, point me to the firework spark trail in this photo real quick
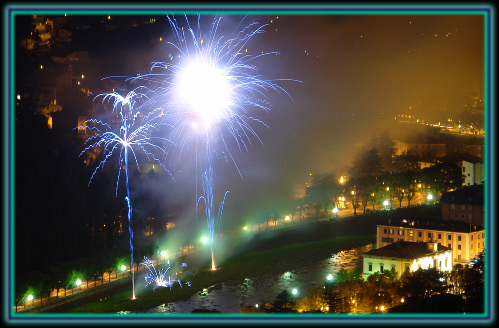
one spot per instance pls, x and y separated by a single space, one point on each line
137 121
158 276
208 88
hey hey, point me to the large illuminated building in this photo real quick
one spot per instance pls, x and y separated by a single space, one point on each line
406 255
466 240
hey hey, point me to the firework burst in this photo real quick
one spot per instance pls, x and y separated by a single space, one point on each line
128 132
210 86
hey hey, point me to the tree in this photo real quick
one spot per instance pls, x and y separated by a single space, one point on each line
332 297
283 303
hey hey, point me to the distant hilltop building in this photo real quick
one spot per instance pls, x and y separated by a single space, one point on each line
407 256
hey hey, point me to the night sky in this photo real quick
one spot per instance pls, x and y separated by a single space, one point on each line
355 73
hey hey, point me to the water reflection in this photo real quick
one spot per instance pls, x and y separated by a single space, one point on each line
228 298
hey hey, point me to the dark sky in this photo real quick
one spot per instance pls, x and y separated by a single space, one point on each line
356 73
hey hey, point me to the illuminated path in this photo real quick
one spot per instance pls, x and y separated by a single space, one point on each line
105 279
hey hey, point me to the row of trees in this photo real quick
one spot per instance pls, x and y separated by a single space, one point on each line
425 290
377 174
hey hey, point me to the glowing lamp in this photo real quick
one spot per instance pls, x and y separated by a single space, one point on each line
245 228
30 297
335 210
123 268
287 218
294 291
78 282
430 197
163 253
204 240
329 277
386 203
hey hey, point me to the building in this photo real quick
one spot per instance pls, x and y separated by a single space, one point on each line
471 167
466 241
425 149
406 255
465 204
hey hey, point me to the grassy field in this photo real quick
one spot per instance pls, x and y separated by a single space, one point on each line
235 270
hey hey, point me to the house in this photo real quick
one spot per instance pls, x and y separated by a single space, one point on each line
464 204
471 167
407 255
424 149
466 241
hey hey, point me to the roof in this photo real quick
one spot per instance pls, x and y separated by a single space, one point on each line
439 225
457 158
472 195
406 250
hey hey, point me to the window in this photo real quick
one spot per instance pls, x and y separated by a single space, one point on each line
452 206
420 234
482 234
406 267
401 239
391 231
458 246
463 207
401 232
393 266
471 237
381 267
429 234
478 236
459 257
387 240
370 267
458 238
411 233
462 216
439 236
449 237
464 169
472 246
384 231
448 245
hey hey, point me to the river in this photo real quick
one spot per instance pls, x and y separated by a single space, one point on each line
230 298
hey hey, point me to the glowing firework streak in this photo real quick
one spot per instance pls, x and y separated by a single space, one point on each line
157 277
136 124
208 87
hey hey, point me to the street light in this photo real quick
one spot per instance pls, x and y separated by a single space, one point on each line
204 240
294 291
245 228
329 277
123 269
335 211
